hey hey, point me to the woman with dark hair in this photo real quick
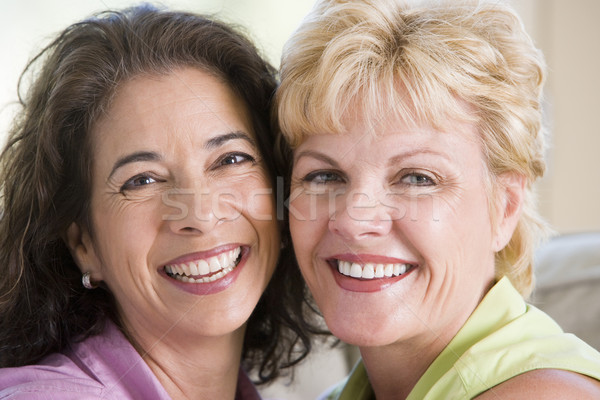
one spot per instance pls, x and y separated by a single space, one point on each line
139 229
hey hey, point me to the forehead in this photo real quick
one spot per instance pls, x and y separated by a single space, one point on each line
159 105
189 90
359 123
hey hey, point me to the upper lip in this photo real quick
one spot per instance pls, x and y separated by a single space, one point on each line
201 255
362 258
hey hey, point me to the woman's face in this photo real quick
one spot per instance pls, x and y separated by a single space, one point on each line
392 230
184 233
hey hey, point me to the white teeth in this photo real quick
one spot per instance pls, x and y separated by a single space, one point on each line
219 266
203 268
355 271
344 267
399 269
224 259
370 270
193 268
214 264
388 270
379 271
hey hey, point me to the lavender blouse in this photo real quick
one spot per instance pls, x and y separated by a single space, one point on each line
101 367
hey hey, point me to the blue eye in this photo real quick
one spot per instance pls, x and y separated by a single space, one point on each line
323 177
416 179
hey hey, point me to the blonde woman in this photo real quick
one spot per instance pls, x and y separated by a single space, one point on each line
417 138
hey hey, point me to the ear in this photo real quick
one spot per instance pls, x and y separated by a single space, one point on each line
82 250
510 198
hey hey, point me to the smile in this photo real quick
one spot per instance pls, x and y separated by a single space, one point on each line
372 270
205 270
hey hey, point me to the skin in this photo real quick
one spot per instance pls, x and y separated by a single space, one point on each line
195 187
406 194
545 384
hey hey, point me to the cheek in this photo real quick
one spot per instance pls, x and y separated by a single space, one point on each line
250 195
125 229
300 239
304 248
309 219
260 205
457 230
255 202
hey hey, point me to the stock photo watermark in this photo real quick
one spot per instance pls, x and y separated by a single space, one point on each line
230 204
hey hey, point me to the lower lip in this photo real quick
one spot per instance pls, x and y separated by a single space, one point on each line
206 288
366 285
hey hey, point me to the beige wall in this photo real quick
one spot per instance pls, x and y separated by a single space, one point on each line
568 33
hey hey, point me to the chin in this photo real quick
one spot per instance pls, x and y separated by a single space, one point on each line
218 326
362 331
360 339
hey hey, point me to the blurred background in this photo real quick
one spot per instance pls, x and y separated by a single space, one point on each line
566 31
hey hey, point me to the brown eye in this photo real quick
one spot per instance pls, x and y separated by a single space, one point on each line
138 181
233 158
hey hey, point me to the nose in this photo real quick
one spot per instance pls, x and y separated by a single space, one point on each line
190 211
358 216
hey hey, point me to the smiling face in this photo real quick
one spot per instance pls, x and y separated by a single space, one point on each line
183 227
393 231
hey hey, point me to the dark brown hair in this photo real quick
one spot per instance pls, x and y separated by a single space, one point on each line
46 178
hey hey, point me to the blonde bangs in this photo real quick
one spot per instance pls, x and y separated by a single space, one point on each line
420 62
352 66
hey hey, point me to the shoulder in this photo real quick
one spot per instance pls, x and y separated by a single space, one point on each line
43 382
71 373
57 374
545 383
45 392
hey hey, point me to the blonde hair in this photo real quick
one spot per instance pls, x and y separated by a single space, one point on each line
420 61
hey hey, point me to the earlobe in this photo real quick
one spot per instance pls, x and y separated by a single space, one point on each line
511 188
80 245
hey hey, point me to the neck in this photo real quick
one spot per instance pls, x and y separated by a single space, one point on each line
199 368
395 369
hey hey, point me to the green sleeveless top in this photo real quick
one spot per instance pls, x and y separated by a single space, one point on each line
504 337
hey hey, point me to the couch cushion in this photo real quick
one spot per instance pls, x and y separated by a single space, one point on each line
567 270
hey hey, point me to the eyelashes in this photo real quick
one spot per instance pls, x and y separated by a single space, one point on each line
410 178
232 159
224 162
323 177
138 181
416 178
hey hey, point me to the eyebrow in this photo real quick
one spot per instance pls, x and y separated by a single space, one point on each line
416 152
316 155
222 139
398 157
138 156
212 143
